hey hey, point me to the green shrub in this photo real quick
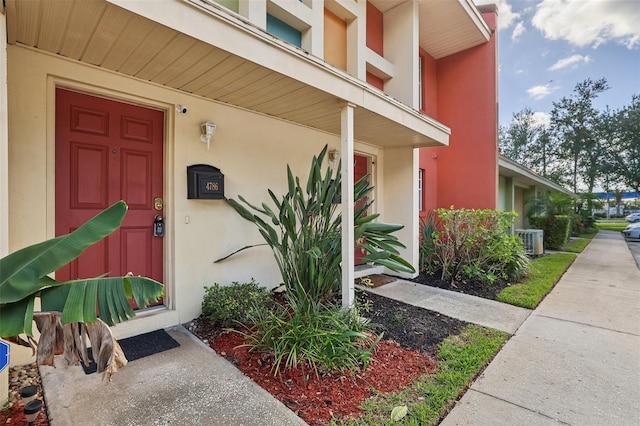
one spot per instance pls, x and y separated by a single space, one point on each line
238 303
556 230
328 337
474 244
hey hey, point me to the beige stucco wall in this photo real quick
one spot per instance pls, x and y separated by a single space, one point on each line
502 194
518 206
252 151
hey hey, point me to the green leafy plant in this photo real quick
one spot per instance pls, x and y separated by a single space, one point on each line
474 244
326 337
74 309
228 305
303 229
399 412
553 213
427 248
556 229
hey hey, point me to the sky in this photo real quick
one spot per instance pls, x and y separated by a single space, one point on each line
546 47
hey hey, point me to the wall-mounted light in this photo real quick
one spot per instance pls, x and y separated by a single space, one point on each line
207 130
334 155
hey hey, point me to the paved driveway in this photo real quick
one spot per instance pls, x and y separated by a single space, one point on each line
634 248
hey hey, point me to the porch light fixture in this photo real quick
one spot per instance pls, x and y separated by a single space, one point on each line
334 155
207 130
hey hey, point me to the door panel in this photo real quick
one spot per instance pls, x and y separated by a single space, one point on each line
108 151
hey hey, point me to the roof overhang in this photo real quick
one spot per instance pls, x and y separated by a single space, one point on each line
524 176
446 27
209 52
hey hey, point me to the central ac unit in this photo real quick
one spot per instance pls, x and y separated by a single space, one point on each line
533 240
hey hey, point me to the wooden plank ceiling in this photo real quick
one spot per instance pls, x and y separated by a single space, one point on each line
104 35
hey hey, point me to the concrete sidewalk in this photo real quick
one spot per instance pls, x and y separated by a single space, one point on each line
488 313
576 359
188 385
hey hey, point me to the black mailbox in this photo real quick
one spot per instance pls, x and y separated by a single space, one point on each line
204 182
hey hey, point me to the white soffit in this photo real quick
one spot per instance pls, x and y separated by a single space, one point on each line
446 26
181 47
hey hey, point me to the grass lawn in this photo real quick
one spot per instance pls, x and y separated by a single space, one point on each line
576 245
611 224
461 359
545 272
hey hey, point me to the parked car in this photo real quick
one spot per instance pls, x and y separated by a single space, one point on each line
633 217
632 231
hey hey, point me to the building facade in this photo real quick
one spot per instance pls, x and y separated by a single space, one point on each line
104 100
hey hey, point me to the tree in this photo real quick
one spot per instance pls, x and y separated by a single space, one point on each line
69 310
626 156
531 144
573 120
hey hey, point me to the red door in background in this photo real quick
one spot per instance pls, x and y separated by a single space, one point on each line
108 151
360 169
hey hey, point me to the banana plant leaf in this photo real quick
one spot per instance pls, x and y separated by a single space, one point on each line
23 277
20 272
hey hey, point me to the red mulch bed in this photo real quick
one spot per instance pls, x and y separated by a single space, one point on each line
412 337
332 395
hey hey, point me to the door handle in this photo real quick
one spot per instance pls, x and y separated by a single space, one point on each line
158 203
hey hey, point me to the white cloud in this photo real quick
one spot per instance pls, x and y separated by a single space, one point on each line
570 61
541 91
589 23
541 119
517 31
506 15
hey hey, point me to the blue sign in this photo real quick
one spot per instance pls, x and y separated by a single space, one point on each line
4 354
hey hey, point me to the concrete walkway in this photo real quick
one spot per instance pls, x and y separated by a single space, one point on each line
488 313
576 359
188 385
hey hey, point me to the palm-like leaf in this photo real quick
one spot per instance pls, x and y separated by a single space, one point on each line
20 272
306 232
23 276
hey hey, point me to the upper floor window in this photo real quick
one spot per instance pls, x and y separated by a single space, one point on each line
283 30
230 4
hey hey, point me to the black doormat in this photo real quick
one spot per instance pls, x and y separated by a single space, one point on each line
137 347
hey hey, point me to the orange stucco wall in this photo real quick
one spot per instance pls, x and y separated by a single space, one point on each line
335 40
375 81
375 25
466 170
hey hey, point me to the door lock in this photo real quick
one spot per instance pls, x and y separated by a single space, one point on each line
158 226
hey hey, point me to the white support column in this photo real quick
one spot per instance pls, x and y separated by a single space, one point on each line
4 172
346 149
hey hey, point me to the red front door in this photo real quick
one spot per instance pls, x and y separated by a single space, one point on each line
360 169
108 151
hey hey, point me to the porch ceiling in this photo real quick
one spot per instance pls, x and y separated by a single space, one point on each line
446 27
102 34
